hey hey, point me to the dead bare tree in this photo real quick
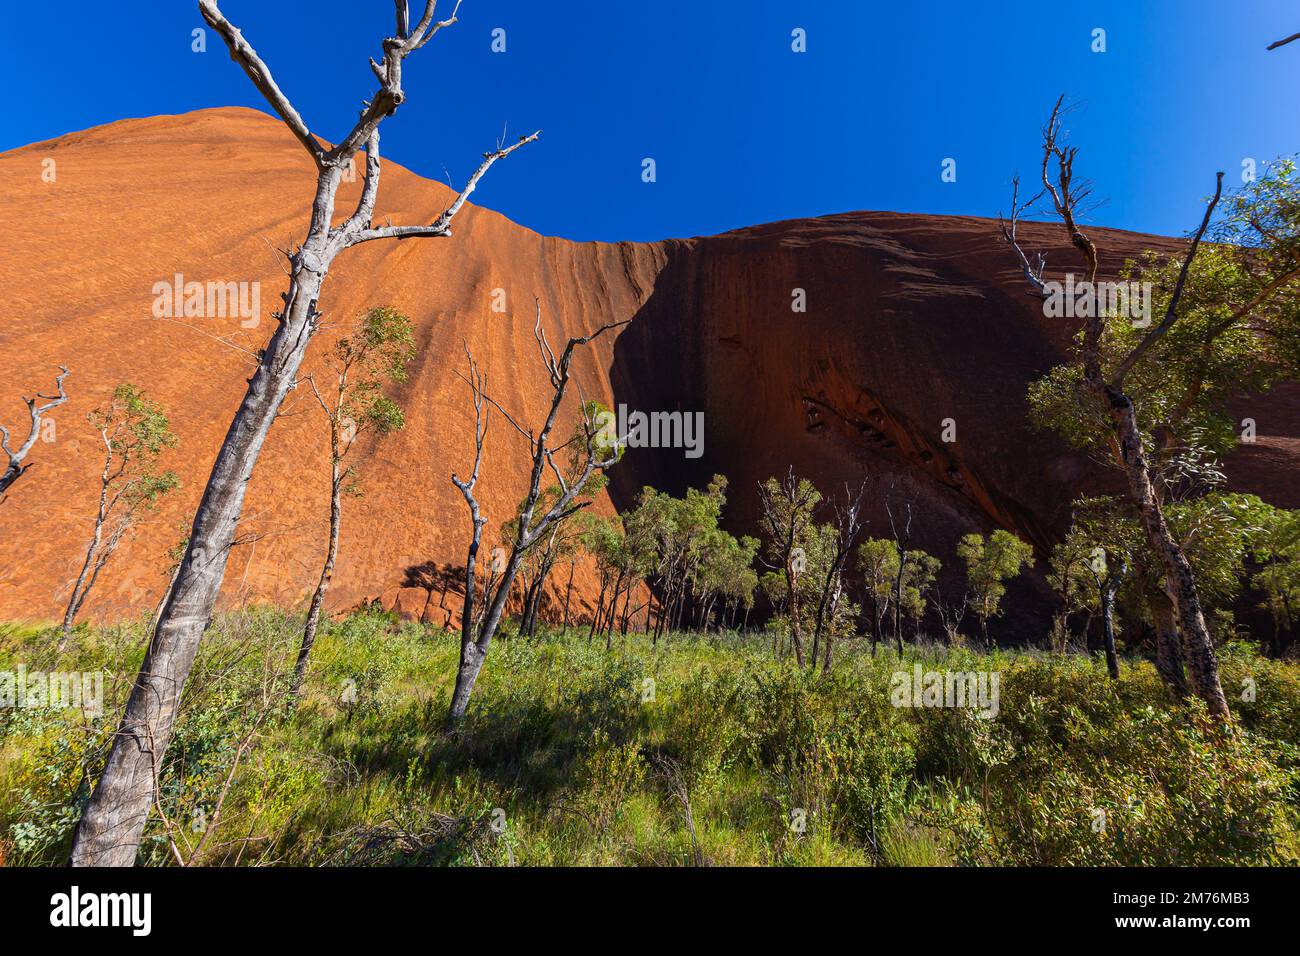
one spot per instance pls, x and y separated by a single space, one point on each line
951 616
110 828
595 454
1057 172
15 466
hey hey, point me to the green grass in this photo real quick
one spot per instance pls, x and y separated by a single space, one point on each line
573 755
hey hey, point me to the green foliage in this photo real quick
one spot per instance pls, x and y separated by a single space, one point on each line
1072 574
878 559
607 774
600 422
1238 329
381 345
1276 548
1232 540
136 425
678 545
136 432
374 352
990 563
561 759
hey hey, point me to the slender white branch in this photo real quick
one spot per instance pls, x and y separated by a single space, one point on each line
1171 312
343 236
442 225
242 52
14 467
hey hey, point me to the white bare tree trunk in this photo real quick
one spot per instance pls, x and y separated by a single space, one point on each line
111 826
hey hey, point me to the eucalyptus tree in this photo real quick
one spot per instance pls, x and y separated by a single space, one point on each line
920 571
635 558
1102 550
896 578
673 539
841 537
16 458
375 350
725 573
990 562
603 539
788 505
1220 532
561 542
878 562
114 818
135 432
901 529
1230 322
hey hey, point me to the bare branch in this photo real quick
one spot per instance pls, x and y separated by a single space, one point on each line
390 94
441 226
14 468
548 356
478 389
242 52
1066 197
529 436
1171 312
1277 43
1033 272
342 236
428 15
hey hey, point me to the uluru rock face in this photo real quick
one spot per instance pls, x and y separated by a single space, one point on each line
910 321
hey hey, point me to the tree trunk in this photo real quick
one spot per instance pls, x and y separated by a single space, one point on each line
327 572
611 616
595 615
1198 648
796 630
79 588
830 640
1169 653
114 819
877 623
1108 624
471 662
568 593
10 475
532 598
898 601
474 652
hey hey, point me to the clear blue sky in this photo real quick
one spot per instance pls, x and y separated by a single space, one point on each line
742 129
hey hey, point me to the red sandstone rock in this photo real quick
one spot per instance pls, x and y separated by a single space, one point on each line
911 319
